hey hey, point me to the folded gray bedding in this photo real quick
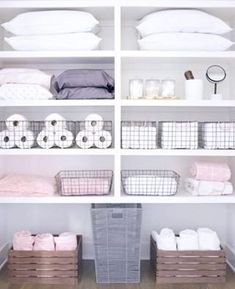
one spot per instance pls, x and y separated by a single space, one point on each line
83 84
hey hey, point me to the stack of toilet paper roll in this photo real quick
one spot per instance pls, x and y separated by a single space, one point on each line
94 134
55 133
17 133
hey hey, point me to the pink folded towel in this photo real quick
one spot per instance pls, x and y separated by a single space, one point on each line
210 171
44 242
23 241
19 185
66 242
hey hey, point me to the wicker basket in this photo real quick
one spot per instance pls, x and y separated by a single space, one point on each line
187 266
150 182
85 182
45 267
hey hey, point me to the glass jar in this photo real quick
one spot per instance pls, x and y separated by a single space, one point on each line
136 88
168 88
152 88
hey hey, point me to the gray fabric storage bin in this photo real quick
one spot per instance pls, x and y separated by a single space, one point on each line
116 234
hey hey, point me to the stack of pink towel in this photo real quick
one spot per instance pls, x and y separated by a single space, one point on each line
24 241
209 179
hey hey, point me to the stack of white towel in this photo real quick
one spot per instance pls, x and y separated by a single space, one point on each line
179 135
202 239
94 134
139 137
209 179
53 30
55 133
17 133
180 29
24 84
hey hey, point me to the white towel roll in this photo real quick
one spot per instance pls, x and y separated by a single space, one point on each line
102 139
17 122
94 122
208 239
55 122
188 240
7 139
166 240
64 139
46 139
85 139
25 140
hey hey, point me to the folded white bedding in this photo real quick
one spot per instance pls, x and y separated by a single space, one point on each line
16 91
187 240
183 135
139 137
219 135
150 185
208 188
208 239
184 42
165 240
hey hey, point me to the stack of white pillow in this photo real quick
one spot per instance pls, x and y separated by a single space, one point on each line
53 30
183 30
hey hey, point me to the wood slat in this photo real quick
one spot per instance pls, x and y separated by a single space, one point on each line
43 254
202 260
43 273
42 260
50 281
212 267
174 280
43 267
218 253
188 273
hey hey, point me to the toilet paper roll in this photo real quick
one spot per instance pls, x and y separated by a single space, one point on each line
64 139
17 122
46 139
102 139
55 122
85 139
25 140
7 139
94 122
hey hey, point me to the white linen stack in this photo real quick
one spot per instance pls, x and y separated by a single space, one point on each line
179 135
188 240
139 137
55 133
179 29
24 84
17 133
94 134
59 30
209 179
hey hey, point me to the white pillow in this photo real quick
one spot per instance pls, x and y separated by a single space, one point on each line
15 91
181 20
51 22
26 76
185 42
72 41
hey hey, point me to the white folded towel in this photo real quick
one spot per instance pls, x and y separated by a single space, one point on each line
187 240
208 239
166 240
208 188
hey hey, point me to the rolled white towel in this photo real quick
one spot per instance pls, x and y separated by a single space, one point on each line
55 122
17 122
208 239
64 139
24 140
7 139
94 122
166 240
46 139
44 242
85 139
66 242
188 240
102 139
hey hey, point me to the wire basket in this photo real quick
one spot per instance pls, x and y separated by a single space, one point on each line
36 134
116 233
217 135
94 134
84 182
139 134
150 182
178 134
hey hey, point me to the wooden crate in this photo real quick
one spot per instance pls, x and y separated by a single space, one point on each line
45 267
187 266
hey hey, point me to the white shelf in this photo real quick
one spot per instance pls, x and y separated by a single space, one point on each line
58 103
55 152
180 152
178 103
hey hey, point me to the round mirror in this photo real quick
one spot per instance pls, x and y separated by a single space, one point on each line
215 74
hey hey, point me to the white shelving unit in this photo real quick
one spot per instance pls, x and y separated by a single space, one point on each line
120 57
